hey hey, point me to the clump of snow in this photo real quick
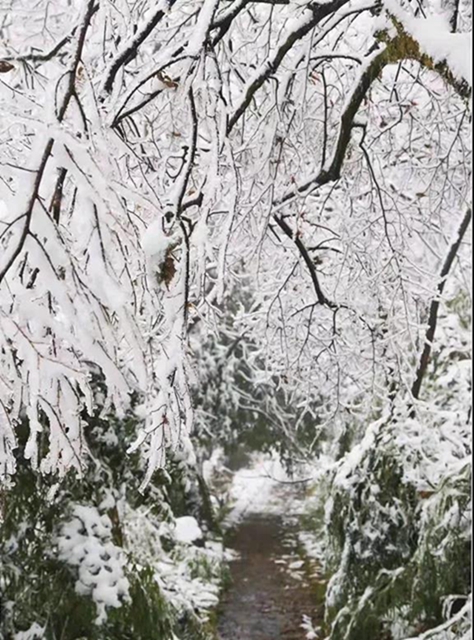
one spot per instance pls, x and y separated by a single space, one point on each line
435 39
190 576
155 242
312 633
85 542
187 530
212 465
35 632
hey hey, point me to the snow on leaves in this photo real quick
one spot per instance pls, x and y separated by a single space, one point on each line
85 542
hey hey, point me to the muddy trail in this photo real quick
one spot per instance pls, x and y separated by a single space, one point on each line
269 593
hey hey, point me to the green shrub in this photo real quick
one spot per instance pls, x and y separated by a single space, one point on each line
44 520
395 552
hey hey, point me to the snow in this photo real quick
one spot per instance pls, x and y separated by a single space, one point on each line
85 542
76 319
187 530
189 576
312 633
35 632
433 35
452 629
202 27
253 488
155 242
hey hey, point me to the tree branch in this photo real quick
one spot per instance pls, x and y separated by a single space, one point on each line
434 307
69 93
307 259
401 47
319 11
130 51
44 56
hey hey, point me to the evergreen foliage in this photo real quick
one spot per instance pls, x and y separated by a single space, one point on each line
47 583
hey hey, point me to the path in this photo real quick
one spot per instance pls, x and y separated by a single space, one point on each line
268 595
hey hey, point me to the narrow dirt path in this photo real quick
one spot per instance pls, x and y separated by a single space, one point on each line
269 595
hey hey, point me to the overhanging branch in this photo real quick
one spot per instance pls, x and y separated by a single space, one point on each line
434 307
68 95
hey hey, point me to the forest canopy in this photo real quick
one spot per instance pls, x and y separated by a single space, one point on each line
153 154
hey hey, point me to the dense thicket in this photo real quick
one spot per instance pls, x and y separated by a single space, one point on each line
92 557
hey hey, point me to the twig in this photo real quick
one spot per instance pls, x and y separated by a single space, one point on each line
307 259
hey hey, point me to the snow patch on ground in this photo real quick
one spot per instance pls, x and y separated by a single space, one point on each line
253 489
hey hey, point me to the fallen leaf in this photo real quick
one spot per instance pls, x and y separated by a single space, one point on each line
5 66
